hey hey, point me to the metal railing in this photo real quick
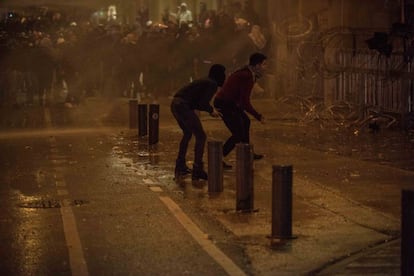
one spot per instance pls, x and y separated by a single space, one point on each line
360 87
372 80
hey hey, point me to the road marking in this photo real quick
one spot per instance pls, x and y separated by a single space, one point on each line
225 262
77 260
148 181
156 189
50 131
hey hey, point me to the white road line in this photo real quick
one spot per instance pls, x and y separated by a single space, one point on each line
148 181
156 189
225 262
50 131
77 260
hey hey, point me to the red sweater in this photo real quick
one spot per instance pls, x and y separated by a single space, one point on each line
238 88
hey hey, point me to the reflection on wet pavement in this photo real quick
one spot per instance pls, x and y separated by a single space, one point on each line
391 147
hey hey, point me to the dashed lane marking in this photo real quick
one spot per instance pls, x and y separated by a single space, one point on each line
156 189
148 181
76 258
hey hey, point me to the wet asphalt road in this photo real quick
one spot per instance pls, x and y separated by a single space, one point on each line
124 169
121 224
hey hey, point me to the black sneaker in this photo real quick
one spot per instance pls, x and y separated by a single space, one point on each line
199 175
182 171
257 156
227 166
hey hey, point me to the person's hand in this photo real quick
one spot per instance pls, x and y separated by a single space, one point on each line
262 119
215 114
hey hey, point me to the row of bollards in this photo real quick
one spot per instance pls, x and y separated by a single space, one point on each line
282 198
281 186
147 122
145 119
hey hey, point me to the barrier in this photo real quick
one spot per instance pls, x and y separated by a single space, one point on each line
215 166
244 178
154 118
142 120
282 202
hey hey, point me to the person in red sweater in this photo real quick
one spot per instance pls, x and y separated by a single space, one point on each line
233 101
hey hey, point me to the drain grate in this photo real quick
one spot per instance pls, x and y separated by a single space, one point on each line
79 202
41 204
51 203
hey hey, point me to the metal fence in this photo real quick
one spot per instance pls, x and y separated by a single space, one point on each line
374 81
353 87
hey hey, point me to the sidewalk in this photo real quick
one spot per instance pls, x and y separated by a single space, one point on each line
342 206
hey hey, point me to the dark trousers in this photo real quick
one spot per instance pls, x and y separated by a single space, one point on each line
236 121
190 124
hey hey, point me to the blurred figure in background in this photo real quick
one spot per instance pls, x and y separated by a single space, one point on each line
203 15
184 20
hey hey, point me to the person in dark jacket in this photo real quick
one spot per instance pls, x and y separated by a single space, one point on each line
195 96
233 101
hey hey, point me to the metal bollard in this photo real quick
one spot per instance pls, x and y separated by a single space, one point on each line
133 114
282 202
154 118
142 120
215 166
244 177
407 232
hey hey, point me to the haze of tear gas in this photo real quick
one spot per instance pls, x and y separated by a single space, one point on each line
97 57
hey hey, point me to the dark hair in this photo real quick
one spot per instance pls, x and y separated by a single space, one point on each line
217 73
256 58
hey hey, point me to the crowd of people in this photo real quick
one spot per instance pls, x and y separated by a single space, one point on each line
51 55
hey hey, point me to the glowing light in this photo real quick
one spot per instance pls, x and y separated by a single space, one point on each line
112 12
